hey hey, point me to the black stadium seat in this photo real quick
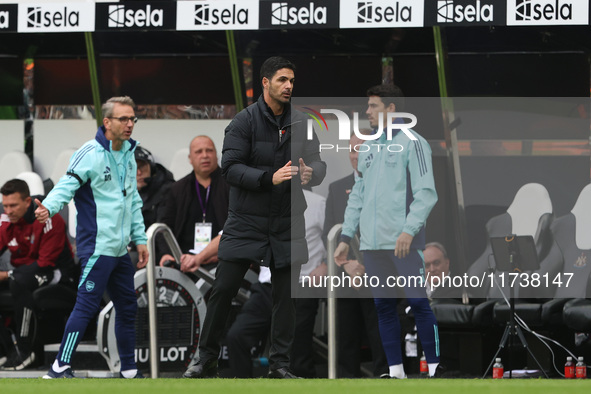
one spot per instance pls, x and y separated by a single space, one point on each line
530 213
576 249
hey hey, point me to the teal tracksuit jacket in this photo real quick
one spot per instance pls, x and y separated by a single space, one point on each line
105 193
394 193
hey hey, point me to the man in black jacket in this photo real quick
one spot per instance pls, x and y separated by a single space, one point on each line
197 202
266 215
153 183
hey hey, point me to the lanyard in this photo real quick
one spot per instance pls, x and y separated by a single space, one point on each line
203 208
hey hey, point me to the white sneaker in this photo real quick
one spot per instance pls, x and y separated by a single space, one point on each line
67 374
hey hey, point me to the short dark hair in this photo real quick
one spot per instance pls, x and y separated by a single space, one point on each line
16 186
274 64
389 94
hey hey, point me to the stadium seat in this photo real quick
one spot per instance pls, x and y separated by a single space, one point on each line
179 165
59 169
530 213
34 182
576 257
566 262
577 314
12 164
61 165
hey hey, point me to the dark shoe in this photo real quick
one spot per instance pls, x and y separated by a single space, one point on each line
202 369
67 374
138 375
281 373
17 361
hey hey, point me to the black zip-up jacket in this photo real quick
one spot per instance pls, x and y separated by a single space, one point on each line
266 222
177 213
154 193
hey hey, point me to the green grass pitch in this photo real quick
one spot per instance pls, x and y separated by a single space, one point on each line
308 386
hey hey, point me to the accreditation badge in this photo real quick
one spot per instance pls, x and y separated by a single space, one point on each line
202 236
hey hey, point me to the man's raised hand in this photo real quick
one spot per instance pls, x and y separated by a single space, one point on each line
41 213
285 173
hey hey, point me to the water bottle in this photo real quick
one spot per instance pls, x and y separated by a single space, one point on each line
423 366
581 369
498 369
569 368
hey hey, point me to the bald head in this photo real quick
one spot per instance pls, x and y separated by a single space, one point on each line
203 156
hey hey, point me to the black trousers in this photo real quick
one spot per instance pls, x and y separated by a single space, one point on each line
24 281
302 355
229 276
251 326
356 315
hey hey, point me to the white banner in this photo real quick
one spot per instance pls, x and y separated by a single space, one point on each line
381 13
55 17
547 12
218 15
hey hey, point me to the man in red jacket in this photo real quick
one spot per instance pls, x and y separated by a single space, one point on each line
36 252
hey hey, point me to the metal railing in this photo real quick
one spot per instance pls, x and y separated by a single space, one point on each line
332 238
153 231
242 296
332 242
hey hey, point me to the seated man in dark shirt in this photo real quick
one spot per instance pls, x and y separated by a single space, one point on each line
196 208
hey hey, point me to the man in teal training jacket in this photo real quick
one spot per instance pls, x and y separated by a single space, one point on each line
101 178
